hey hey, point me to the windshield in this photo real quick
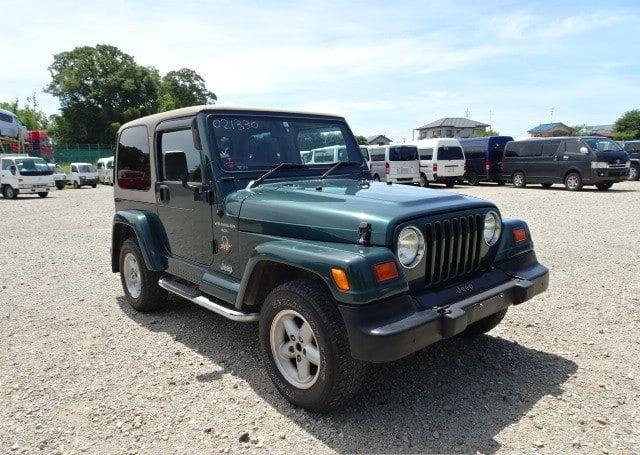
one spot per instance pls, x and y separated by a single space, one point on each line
33 166
403 153
365 153
601 144
450 153
109 165
85 168
254 143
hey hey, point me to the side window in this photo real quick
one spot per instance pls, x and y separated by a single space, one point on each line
180 141
533 148
572 148
549 148
513 149
426 154
5 118
134 168
99 166
6 164
74 168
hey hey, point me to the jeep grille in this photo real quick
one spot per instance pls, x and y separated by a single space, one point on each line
454 247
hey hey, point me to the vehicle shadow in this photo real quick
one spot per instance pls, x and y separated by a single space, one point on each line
561 188
453 397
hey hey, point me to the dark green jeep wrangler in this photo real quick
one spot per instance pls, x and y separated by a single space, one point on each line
272 216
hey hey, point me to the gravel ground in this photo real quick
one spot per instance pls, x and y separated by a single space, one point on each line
83 372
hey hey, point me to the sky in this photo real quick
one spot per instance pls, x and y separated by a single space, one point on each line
388 67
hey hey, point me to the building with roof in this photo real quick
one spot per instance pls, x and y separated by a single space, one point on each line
596 130
451 127
378 139
551 130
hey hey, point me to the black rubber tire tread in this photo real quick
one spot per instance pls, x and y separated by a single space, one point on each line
546 185
341 375
43 194
472 179
524 179
604 186
484 325
637 168
152 296
450 184
9 193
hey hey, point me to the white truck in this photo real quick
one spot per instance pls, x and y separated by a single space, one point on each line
83 174
105 170
59 177
22 174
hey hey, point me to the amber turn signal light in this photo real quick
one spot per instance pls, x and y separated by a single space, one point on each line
519 235
340 277
385 271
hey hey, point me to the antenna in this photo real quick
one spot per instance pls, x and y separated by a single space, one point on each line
551 114
466 113
490 118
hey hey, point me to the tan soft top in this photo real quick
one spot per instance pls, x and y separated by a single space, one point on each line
151 121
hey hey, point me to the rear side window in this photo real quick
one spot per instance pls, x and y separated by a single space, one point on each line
549 148
403 153
180 141
134 168
6 118
426 154
450 153
512 149
533 148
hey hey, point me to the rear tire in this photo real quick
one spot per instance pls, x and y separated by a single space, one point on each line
519 180
473 179
43 194
376 178
423 181
450 183
604 186
94 185
140 284
483 325
321 381
573 181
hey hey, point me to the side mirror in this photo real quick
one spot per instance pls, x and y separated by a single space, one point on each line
175 166
13 169
195 132
584 150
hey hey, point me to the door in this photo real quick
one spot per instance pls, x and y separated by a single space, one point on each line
570 158
548 164
73 175
450 161
186 218
403 162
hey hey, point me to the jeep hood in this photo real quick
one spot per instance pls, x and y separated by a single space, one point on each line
331 210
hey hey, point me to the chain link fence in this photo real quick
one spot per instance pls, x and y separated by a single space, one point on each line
82 153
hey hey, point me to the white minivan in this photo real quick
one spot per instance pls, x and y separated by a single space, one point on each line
83 174
105 170
395 163
331 154
441 160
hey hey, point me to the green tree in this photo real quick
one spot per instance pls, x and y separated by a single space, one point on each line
99 88
485 133
182 88
628 126
361 140
30 115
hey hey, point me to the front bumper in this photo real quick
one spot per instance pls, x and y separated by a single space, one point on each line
393 328
36 189
403 179
608 175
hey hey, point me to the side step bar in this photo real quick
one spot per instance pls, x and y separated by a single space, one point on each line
189 293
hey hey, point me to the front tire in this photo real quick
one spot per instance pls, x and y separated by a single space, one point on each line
519 180
139 283
305 346
9 193
573 181
60 185
483 325
43 194
634 172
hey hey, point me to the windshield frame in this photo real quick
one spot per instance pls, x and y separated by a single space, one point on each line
585 140
309 169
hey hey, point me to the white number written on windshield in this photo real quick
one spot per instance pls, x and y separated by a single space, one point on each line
234 124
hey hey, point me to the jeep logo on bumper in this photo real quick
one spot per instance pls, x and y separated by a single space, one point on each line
463 289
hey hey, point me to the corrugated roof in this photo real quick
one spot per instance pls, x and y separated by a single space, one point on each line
547 127
376 136
454 122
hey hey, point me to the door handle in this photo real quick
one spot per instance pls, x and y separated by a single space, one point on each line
565 157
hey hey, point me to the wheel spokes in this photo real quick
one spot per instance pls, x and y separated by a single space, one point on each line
291 328
304 369
305 334
312 354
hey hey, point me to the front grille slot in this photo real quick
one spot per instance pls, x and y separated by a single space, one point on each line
453 247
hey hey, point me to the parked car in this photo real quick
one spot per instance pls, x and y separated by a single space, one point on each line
59 176
483 157
574 161
331 154
83 174
105 170
21 174
337 271
11 126
364 150
633 150
395 163
441 161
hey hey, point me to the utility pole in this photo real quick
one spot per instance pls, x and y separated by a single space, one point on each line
467 113
551 112
490 119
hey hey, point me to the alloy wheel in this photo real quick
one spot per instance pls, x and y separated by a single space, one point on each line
132 277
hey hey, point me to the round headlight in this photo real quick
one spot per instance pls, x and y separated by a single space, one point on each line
492 228
410 247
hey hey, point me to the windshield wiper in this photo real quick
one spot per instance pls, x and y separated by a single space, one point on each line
337 165
260 179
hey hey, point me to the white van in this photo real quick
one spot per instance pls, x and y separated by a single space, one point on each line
21 174
395 163
59 177
364 151
441 160
105 170
83 174
325 155
11 126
